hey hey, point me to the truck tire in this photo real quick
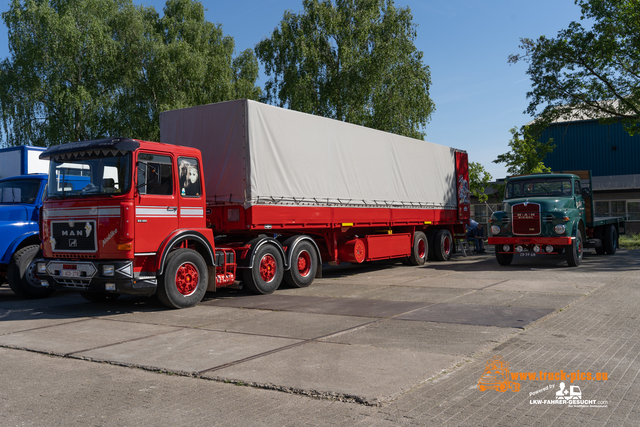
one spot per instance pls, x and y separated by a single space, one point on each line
21 274
420 249
442 245
610 242
266 274
304 264
502 258
575 251
98 296
184 281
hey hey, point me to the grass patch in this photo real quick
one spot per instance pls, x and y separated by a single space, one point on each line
630 241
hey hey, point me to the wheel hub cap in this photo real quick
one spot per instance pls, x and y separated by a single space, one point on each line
267 268
304 263
187 279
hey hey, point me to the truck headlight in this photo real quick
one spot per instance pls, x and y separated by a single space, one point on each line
41 268
495 229
108 270
560 228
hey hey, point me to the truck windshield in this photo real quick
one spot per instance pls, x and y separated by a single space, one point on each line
539 187
89 175
19 191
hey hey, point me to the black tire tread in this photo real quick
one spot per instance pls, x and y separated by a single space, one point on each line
16 274
414 258
291 278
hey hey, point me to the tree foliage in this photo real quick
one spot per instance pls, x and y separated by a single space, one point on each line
351 60
479 179
527 153
590 70
85 69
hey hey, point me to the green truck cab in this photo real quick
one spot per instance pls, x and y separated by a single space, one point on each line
551 213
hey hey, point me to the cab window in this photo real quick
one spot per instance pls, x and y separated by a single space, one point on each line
189 177
155 175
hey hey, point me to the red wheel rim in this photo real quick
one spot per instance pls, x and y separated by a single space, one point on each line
187 279
579 248
267 268
446 245
422 248
304 263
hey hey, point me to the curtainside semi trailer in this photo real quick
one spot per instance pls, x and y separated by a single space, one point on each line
281 191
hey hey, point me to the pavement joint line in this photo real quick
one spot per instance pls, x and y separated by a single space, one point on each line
279 349
45 327
493 284
71 354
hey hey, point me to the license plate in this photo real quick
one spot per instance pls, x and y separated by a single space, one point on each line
69 273
528 254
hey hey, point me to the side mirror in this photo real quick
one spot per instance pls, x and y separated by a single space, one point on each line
155 179
585 192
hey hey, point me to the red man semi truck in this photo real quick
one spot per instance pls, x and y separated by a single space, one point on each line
281 191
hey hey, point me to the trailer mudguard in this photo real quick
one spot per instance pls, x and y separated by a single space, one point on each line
176 238
253 245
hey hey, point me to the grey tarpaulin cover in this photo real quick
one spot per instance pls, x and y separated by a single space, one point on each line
255 153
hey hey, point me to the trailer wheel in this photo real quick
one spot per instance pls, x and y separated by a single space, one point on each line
21 274
304 264
266 274
98 296
575 251
420 249
443 244
502 258
184 281
610 239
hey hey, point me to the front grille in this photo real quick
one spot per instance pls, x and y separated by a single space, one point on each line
526 219
74 236
548 218
73 283
73 255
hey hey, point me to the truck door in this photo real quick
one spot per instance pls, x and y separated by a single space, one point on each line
191 212
157 204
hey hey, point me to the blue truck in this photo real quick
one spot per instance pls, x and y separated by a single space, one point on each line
20 201
23 178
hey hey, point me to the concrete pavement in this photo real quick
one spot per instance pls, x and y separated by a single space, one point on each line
380 344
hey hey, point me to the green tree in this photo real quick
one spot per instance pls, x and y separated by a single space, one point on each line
527 153
63 75
85 69
479 179
351 60
588 71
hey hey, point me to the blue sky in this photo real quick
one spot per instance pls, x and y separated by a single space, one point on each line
466 43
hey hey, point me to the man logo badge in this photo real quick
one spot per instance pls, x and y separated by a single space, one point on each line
73 243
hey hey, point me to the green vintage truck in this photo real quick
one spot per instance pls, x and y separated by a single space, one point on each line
551 213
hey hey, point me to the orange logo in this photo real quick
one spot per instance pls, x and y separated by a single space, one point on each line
496 376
